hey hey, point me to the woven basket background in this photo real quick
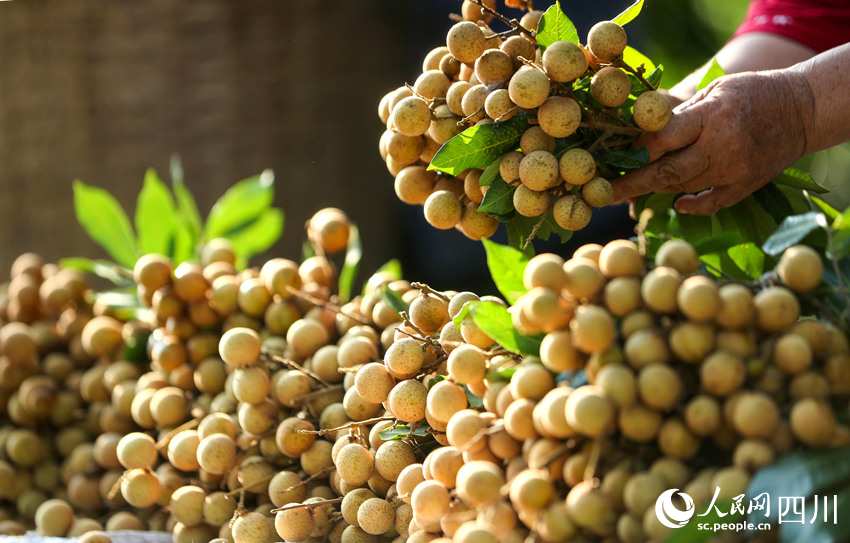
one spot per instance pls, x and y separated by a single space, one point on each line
100 91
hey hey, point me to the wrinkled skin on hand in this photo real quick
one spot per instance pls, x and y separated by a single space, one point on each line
724 143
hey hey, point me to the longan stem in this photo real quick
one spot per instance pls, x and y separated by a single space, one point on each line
321 473
613 129
162 443
317 393
294 365
510 22
330 306
243 489
536 227
308 505
619 63
593 461
408 322
426 339
324 431
428 290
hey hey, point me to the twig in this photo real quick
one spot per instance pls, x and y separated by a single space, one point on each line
352 424
409 322
317 393
428 290
330 306
536 227
307 505
162 443
296 366
425 369
243 488
593 461
619 63
510 22
613 129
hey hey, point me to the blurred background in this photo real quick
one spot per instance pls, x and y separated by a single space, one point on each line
100 91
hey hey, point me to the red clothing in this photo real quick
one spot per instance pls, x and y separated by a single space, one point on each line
819 24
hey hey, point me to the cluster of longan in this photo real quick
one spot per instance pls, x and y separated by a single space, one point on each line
692 384
58 360
482 77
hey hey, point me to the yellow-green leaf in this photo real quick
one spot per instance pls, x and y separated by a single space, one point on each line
155 217
105 221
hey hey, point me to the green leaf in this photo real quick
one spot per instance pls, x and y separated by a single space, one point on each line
242 203
798 179
400 430
490 173
749 258
105 222
494 320
792 230
353 254
462 314
124 305
629 13
392 267
635 59
105 269
258 235
155 216
625 159
184 243
499 199
393 299
555 26
655 77
502 374
713 72
473 400
716 243
507 266
518 232
478 146
187 208
801 474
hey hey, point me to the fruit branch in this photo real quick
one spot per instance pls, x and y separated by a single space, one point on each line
613 129
295 366
317 393
163 443
428 290
348 426
536 227
330 306
620 63
307 505
510 22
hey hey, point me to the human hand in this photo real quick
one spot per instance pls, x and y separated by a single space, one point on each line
723 144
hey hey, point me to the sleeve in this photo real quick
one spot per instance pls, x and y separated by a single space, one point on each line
818 24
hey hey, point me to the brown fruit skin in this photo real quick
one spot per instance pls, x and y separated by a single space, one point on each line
493 66
442 210
777 308
800 268
559 116
652 111
466 41
571 212
564 61
610 86
529 87
606 40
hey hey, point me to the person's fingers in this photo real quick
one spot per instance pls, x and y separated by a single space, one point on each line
668 174
710 201
683 129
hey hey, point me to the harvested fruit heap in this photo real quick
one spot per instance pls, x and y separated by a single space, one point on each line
270 411
546 122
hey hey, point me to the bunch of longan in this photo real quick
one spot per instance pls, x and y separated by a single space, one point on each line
481 77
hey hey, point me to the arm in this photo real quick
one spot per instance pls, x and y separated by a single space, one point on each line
738 133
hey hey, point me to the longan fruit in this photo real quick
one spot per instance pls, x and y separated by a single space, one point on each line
216 454
306 336
777 309
218 507
679 255
813 422
639 423
800 268
442 210
450 66
473 335
641 491
392 457
168 406
407 400
619 383
101 336
404 150
792 354
698 298
466 41
454 97
753 454
478 483
564 61
531 381
622 295
592 329
530 203
290 441
279 275
722 373
558 353
493 66
250 385
588 508
597 192
535 139
153 271
691 342
474 101
732 482
466 365
659 386
355 464
571 212
516 47
539 170
430 500
239 347
620 258
674 439
577 166
465 430
559 116
529 87
187 504
255 527
429 313
703 415
610 86
140 488
606 40
659 289
584 280
137 450
432 59
589 411
431 84
445 399
652 111
375 516
373 382
54 518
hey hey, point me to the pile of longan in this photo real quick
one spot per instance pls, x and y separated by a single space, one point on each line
481 77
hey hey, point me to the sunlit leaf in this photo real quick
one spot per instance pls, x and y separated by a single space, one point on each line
629 13
555 26
155 216
749 258
798 179
259 235
242 203
105 269
353 254
393 299
478 146
713 72
499 198
102 217
494 320
506 266
792 231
